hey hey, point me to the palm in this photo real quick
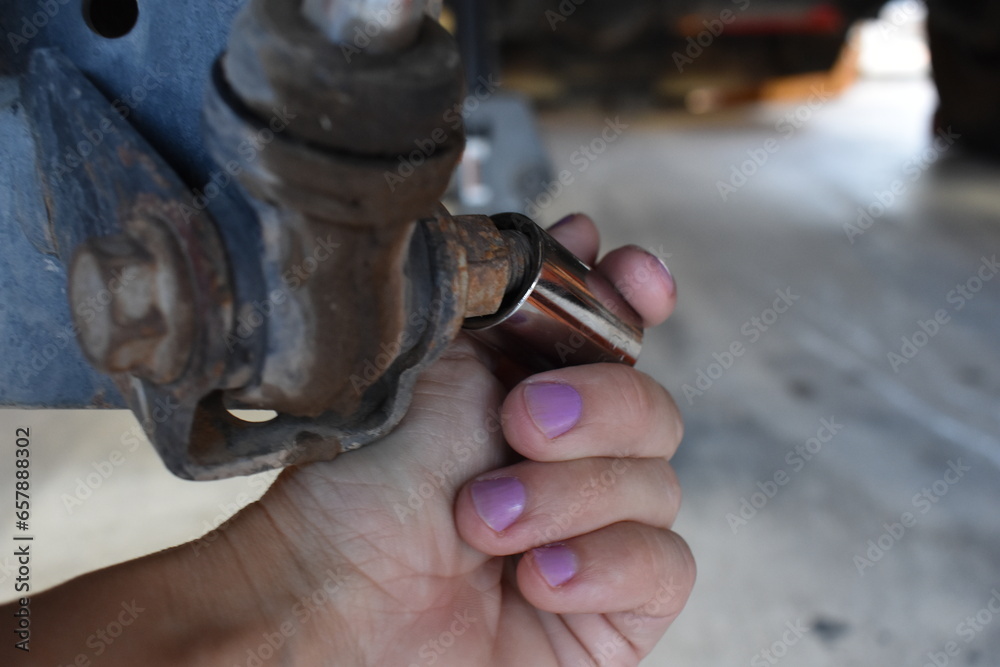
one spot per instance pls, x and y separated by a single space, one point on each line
384 516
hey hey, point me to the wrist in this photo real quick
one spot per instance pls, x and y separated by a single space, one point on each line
226 591
297 587
180 606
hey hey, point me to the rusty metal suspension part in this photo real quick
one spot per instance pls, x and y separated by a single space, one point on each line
364 279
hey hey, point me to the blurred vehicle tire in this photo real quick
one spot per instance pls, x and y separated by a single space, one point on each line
964 39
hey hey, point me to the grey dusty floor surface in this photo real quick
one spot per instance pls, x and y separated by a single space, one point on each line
807 451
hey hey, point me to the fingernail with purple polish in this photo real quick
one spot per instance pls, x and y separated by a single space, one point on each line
669 277
498 502
556 562
555 408
563 220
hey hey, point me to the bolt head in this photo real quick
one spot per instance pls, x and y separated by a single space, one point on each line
131 307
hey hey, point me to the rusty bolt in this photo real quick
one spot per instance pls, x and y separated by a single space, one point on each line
131 301
496 262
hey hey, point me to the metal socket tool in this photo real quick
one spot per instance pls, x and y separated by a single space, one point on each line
558 312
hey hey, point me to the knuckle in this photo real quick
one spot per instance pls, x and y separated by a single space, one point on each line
671 559
671 414
635 405
669 486
651 555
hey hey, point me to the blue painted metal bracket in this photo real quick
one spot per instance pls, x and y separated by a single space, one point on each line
41 363
151 81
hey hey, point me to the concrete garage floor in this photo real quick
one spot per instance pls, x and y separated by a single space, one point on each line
801 448
777 503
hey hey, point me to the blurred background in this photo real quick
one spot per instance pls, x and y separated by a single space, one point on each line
822 180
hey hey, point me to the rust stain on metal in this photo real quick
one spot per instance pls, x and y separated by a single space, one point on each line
490 263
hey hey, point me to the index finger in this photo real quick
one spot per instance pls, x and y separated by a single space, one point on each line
641 277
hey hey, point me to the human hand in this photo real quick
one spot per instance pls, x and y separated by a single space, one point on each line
417 540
